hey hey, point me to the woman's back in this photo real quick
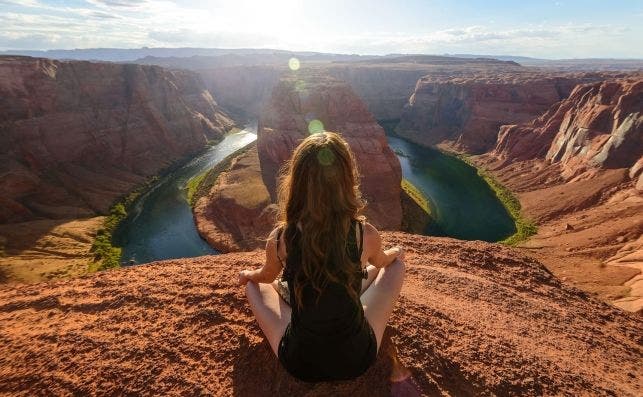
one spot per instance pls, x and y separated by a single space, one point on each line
328 337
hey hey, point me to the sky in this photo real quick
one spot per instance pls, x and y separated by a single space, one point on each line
543 29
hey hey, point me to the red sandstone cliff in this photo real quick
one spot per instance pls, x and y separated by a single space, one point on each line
600 125
74 136
299 99
385 87
473 319
468 110
236 214
577 173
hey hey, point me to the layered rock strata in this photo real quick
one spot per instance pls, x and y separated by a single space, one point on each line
77 135
600 125
74 137
577 172
468 110
236 214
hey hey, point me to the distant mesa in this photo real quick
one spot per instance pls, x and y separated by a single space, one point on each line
438 60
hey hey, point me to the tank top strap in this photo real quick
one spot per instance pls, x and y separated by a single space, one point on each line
360 246
277 240
360 249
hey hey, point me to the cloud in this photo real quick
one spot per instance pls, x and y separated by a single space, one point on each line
551 41
29 41
42 24
22 3
191 38
119 3
102 15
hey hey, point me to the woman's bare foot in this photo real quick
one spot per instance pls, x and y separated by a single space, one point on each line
402 383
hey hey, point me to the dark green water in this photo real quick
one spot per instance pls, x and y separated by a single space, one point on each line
462 203
160 224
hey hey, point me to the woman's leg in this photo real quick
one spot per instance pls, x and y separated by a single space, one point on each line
372 273
271 312
380 297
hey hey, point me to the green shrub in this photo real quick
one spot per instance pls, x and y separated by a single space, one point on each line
193 186
417 195
200 185
106 255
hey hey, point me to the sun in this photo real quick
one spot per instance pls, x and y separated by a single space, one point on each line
284 20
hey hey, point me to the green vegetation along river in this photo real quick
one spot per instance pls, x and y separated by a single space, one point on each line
160 224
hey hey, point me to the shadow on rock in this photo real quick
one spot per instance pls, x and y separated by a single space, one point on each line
257 372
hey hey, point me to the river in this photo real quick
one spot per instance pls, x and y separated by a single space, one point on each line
160 224
462 203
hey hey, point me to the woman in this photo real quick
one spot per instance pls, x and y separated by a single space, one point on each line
338 286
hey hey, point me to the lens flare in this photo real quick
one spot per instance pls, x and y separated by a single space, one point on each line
325 157
293 64
315 127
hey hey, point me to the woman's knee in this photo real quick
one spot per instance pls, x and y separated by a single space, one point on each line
252 289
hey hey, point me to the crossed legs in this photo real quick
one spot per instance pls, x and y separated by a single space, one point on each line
272 312
379 294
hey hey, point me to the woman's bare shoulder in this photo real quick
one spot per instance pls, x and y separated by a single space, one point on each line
369 228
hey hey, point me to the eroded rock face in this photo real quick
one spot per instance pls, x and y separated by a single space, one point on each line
577 173
473 319
299 99
242 90
383 85
236 214
74 136
469 110
599 126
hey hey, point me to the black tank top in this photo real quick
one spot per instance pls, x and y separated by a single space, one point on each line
328 338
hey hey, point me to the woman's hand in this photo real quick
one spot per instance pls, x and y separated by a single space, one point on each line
396 252
244 277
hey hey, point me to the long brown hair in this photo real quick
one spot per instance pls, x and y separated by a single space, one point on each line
319 190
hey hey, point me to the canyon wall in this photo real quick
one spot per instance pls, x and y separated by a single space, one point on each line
577 172
468 109
237 213
74 136
600 125
242 90
385 87
297 100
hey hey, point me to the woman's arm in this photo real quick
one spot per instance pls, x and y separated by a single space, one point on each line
375 254
270 270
